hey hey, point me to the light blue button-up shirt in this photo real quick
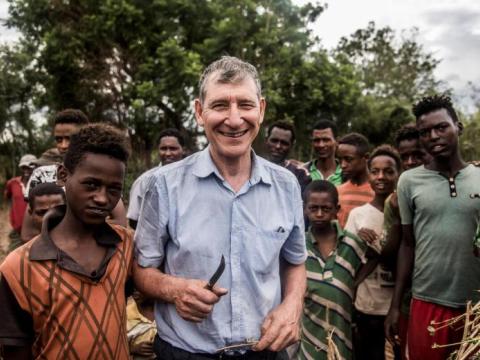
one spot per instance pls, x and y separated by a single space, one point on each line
190 216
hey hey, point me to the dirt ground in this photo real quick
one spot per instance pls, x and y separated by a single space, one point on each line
4 231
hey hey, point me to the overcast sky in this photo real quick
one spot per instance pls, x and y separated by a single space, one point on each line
450 29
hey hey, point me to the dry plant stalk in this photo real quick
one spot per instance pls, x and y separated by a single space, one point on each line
469 346
332 353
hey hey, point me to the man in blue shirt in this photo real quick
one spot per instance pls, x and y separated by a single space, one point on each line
223 200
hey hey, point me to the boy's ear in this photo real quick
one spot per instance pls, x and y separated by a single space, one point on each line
62 174
30 210
460 128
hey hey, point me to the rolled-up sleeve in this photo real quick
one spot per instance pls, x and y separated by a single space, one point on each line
294 249
151 234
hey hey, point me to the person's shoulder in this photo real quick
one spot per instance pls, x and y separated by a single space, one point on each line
18 256
177 167
125 234
276 171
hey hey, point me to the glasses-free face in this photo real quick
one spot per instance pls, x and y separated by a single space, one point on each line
324 144
231 114
94 188
62 134
439 133
320 209
170 150
412 154
278 144
41 205
383 174
352 163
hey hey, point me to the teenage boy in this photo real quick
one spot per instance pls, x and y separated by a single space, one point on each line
412 155
334 257
439 207
171 146
42 198
352 154
324 166
14 192
66 123
374 293
63 293
280 140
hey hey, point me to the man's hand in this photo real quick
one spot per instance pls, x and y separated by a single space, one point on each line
281 327
193 302
391 325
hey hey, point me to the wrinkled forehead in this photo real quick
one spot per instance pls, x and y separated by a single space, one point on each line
230 77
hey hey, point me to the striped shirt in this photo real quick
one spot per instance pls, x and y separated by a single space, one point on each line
315 174
351 196
328 300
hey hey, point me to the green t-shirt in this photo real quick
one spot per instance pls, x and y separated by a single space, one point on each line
315 174
328 300
445 215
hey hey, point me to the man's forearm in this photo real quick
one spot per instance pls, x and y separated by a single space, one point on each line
294 282
156 284
406 255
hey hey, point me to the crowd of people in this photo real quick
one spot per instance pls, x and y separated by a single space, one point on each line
225 254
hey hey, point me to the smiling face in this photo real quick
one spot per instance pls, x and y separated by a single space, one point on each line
324 143
439 133
383 174
278 144
94 188
231 114
170 150
320 209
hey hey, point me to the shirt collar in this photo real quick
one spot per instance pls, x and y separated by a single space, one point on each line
340 233
204 167
43 248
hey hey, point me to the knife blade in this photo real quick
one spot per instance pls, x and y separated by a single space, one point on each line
216 275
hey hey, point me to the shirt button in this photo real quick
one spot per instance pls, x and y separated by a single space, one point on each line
452 186
454 194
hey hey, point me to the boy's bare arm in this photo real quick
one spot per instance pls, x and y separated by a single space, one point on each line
192 300
405 261
17 352
119 214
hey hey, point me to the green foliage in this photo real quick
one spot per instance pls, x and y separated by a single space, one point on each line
136 63
470 136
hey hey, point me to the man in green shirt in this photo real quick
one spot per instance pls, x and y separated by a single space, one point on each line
324 143
334 258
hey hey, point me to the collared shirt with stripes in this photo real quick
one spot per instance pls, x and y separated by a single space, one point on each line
329 297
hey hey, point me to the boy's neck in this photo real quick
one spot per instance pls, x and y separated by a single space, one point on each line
323 233
71 229
378 201
448 166
359 179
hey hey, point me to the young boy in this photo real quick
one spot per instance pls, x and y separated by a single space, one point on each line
334 257
352 154
41 199
375 291
63 293
439 208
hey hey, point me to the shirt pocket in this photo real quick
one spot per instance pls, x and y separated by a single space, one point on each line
267 246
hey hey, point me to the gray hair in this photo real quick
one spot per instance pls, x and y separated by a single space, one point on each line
230 70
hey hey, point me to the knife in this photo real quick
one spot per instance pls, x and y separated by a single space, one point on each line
216 275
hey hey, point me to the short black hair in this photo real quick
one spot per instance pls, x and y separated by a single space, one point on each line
357 140
96 139
281 124
42 189
385 150
406 132
173 133
323 124
70 116
429 104
320 186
